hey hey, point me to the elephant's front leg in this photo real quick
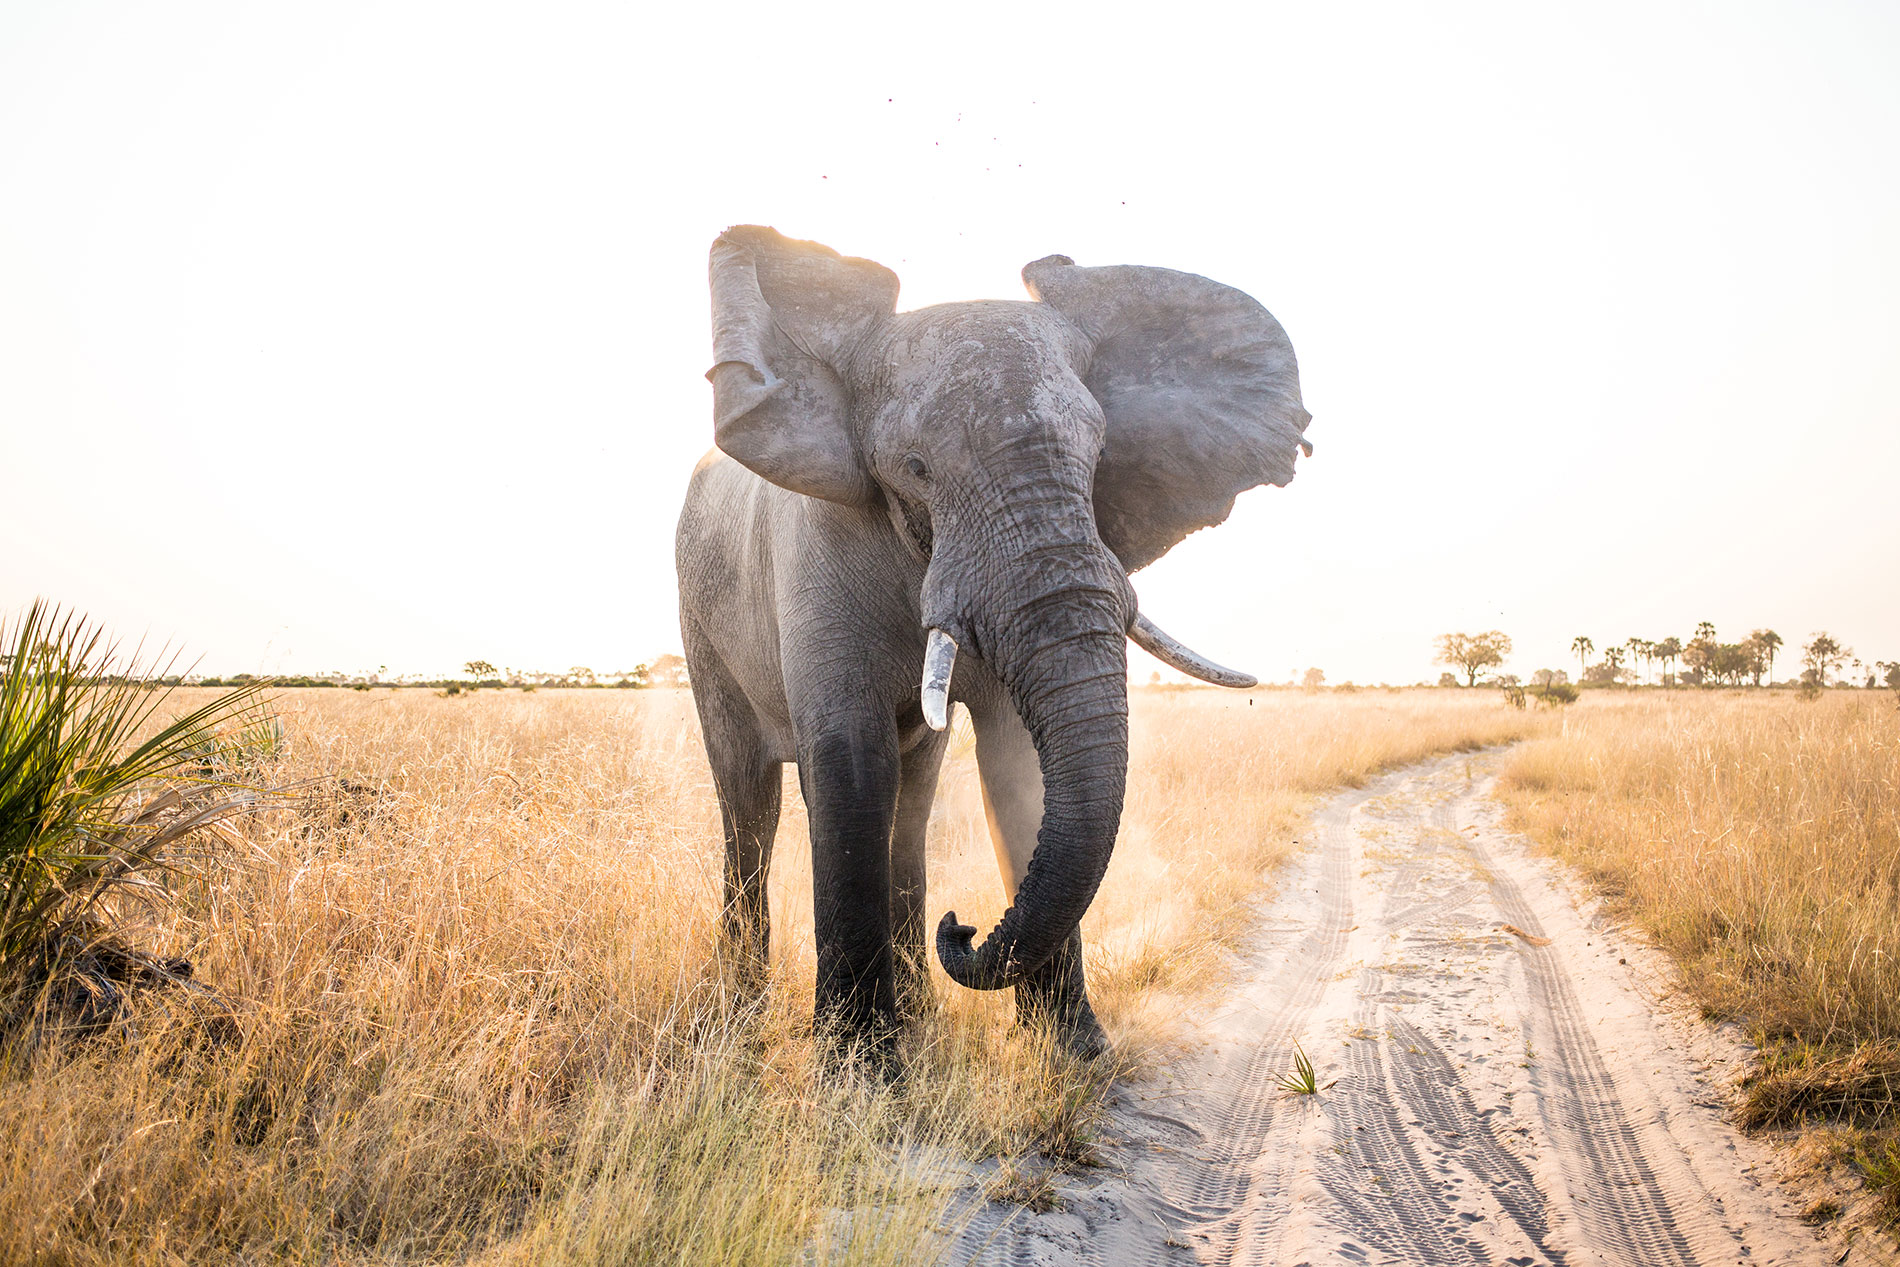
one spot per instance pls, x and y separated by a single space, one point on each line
1057 993
849 773
922 763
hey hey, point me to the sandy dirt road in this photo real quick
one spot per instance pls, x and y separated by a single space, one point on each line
1502 1087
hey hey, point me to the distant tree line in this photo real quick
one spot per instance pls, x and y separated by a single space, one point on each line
663 670
1704 660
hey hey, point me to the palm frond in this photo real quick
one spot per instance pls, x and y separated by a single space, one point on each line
95 790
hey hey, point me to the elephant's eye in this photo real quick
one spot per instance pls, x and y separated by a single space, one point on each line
915 465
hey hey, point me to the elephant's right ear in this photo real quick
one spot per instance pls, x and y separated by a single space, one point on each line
784 315
1200 390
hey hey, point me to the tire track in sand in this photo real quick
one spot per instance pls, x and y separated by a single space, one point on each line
1640 1200
1213 1177
1493 1100
1242 1183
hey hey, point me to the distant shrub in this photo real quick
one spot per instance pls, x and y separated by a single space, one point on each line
1556 693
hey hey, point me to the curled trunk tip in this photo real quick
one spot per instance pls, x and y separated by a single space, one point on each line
1078 720
959 959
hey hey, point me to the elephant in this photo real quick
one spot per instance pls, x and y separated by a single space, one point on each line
964 487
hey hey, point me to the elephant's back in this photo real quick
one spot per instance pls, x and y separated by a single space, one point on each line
724 554
722 524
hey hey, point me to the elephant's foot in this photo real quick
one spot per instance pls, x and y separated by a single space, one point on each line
851 1052
860 1028
1074 1026
1056 995
745 968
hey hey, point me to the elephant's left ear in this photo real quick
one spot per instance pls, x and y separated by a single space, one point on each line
785 315
1200 388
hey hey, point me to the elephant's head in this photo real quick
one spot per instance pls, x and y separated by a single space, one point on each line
1034 454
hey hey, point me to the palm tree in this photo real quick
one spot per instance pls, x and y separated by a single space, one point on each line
1705 630
1583 647
1667 650
1769 640
1613 656
1636 646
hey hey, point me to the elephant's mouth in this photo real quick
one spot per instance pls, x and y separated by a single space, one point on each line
917 527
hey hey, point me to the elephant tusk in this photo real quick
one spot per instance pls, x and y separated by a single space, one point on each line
940 661
1164 648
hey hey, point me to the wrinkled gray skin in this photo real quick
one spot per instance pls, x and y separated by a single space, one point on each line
993 470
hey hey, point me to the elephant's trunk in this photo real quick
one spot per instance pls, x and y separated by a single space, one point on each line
1068 678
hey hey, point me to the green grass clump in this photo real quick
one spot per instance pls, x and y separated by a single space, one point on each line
1303 1080
95 795
1879 1163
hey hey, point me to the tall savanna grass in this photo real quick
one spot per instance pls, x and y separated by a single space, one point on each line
470 1006
1756 837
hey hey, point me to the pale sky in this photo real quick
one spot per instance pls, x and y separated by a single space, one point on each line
335 336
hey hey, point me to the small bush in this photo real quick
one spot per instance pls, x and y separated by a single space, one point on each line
94 794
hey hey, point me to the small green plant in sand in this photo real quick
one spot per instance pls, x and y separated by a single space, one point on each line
1880 1166
1303 1080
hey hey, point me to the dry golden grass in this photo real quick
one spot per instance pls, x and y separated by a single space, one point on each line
467 1004
1756 837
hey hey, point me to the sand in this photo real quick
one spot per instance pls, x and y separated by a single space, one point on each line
1502 1081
